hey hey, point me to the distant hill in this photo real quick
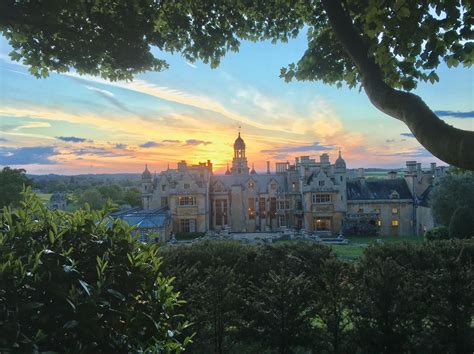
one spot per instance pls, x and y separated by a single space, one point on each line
91 177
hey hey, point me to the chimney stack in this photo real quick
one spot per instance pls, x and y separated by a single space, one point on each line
360 173
433 166
411 167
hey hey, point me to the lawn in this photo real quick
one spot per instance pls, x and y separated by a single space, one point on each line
44 197
358 243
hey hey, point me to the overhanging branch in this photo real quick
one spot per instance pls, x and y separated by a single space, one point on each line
452 145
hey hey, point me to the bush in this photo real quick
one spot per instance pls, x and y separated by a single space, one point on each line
462 223
437 233
80 283
296 297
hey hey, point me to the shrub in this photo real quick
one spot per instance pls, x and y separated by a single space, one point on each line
437 233
462 223
80 283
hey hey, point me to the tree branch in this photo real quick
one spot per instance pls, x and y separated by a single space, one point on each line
452 145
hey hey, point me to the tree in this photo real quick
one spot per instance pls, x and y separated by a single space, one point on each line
111 191
280 304
80 283
462 223
133 197
332 298
12 181
386 46
452 192
93 197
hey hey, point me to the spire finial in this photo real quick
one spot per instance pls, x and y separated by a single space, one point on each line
339 152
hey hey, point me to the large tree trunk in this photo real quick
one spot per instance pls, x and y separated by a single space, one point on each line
452 145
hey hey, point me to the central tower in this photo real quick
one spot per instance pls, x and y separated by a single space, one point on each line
239 162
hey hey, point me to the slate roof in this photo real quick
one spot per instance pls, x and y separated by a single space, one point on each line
377 189
262 181
144 219
424 198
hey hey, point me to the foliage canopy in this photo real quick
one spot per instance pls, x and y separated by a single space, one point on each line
12 181
80 283
383 45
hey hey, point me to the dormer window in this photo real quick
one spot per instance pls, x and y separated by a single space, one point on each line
186 186
394 195
163 187
321 183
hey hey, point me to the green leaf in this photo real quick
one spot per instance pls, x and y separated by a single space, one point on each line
85 286
71 324
116 294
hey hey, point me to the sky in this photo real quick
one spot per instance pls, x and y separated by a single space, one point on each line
71 124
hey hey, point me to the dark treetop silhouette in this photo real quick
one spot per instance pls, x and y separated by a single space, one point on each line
386 46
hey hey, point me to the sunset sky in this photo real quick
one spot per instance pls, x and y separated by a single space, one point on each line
69 124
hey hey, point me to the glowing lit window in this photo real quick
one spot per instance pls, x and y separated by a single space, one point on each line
394 211
321 198
187 201
395 223
379 223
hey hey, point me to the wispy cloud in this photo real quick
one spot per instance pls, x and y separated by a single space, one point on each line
17 127
150 144
197 142
417 152
96 151
100 91
72 139
38 155
408 135
316 146
121 146
182 97
190 64
455 114
171 141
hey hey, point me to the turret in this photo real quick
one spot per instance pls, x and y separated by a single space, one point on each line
239 162
147 188
340 164
253 172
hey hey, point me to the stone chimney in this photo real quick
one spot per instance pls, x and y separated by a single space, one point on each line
360 173
433 166
411 167
418 168
324 160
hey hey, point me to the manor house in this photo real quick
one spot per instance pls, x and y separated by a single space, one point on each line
317 196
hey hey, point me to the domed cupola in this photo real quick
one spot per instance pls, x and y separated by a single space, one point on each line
146 175
239 162
239 143
340 163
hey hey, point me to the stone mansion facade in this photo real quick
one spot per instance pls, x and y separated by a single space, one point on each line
315 196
